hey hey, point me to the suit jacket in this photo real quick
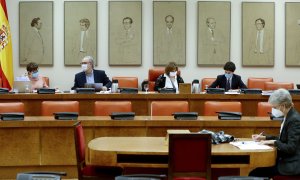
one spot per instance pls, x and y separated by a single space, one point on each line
288 145
236 82
99 77
33 47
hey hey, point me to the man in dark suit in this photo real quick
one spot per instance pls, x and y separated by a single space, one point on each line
288 141
229 80
90 75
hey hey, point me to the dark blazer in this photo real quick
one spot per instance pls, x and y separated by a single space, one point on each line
288 145
236 82
99 77
161 81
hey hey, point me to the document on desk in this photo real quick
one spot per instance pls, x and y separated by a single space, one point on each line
249 145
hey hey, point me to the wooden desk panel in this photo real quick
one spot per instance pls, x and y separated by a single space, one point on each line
42 143
140 102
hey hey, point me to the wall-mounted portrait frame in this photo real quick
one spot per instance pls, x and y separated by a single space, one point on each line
125 33
258 33
80 31
169 32
36 32
213 33
292 32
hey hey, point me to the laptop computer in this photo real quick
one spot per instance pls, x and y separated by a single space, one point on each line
21 86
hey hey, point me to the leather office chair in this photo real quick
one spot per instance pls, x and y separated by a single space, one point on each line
46 79
10 107
258 83
167 108
105 108
277 85
126 82
206 81
189 156
50 107
211 107
263 109
153 75
89 171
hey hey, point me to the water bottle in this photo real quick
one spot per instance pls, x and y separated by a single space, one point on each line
27 89
114 86
195 86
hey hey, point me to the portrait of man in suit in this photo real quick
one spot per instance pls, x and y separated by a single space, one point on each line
258 25
80 31
261 44
36 33
169 32
84 41
213 33
34 46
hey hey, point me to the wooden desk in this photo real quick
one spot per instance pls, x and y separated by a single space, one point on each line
153 152
140 102
43 143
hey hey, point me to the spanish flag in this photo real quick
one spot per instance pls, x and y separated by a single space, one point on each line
6 59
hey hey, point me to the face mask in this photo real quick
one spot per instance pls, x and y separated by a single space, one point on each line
277 113
228 76
84 67
35 75
173 74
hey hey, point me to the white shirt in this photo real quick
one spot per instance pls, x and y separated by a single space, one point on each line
168 83
90 78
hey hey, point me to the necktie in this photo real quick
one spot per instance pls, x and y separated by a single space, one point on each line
227 85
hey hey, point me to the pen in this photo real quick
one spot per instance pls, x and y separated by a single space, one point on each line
260 134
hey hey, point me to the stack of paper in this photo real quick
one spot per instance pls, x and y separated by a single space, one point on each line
249 145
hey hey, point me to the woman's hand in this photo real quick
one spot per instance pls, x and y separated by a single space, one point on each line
258 137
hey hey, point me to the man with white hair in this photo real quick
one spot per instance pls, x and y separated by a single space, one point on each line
90 75
288 141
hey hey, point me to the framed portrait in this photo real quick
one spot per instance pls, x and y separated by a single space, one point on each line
213 33
80 31
36 32
292 32
169 32
125 33
258 22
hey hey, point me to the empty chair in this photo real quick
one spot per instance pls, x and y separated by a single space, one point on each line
258 83
126 82
206 82
189 156
105 108
167 108
211 107
278 85
263 109
89 171
50 107
10 107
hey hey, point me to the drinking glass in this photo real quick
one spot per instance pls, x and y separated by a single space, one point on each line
146 87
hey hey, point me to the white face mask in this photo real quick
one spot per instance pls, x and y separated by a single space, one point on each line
173 74
84 67
277 113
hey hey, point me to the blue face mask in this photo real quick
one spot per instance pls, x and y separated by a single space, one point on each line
35 75
228 76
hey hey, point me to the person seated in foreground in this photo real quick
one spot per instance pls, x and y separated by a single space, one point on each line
90 75
229 80
37 81
287 142
170 79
